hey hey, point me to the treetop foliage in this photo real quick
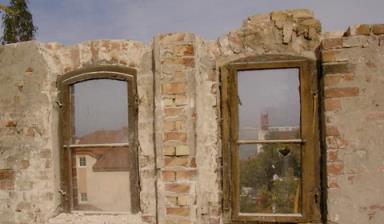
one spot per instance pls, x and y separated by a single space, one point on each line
17 23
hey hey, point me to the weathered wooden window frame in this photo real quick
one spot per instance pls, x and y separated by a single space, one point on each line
66 128
310 200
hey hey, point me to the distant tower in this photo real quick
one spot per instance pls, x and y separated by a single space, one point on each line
263 131
264 120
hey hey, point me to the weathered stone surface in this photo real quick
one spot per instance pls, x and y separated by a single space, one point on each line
179 121
360 29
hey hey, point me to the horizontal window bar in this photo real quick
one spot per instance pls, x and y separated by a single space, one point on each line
96 145
271 214
296 141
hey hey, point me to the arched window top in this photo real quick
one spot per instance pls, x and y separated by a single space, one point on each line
99 139
97 72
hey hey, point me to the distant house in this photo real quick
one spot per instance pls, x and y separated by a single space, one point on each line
102 174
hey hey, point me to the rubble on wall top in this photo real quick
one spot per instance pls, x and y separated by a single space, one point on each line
365 29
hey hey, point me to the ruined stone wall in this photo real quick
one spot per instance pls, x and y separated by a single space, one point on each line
179 119
353 83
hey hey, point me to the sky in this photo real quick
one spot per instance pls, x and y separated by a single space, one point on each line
73 21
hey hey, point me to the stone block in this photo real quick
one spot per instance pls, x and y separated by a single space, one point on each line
178 211
182 150
378 29
359 29
332 43
184 200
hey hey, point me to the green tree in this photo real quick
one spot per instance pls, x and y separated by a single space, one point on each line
273 175
18 25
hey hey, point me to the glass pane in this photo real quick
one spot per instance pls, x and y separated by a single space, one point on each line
100 111
101 179
270 178
269 104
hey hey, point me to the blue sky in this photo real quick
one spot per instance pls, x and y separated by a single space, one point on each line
72 21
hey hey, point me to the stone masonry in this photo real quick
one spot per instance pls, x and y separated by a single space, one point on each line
179 119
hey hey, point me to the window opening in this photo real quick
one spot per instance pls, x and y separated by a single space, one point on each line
270 150
99 134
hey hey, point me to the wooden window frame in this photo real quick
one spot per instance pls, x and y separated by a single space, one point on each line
66 128
311 198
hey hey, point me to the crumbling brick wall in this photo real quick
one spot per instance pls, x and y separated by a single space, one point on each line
353 124
179 119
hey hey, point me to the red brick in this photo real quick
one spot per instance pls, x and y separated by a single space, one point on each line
334 79
332 43
378 29
169 125
332 105
173 88
375 116
176 161
335 142
187 62
184 50
178 211
174 125
7 174
7 179
175 136
332 182
177 188
185 174
332 131
331 156
169 175
334 169
341 92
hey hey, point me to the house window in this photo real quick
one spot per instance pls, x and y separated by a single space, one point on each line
99 130
271 156
82 161
84 197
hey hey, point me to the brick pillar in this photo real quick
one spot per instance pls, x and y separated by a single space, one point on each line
175 127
